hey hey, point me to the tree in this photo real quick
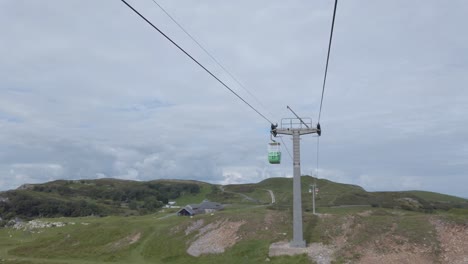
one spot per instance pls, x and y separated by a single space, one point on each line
152 204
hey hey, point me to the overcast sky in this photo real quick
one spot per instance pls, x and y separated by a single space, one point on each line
89 90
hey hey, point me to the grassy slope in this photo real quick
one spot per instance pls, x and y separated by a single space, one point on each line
337 194
163 239
330 194
255 192
85 190
188 198
436 197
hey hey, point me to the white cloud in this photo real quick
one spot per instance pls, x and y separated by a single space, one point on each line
389 182
17 174
101 175
103 95
130 174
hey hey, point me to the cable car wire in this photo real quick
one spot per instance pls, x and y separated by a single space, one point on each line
286 147
328 58
212 56
325 81
195 60
318 149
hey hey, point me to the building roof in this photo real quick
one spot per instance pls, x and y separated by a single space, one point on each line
210 205
206 205
200 208
189 210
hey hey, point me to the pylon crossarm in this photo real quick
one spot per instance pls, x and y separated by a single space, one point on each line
302 121
302 131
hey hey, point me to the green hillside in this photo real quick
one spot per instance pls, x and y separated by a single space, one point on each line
155 238
245 231
350 219
437 197
104 197
95 197
333 194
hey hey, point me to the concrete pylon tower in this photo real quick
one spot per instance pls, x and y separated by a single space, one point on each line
296 127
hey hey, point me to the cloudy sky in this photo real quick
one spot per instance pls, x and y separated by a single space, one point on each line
88 90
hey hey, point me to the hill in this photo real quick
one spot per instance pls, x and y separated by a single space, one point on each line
93 197
332 194
387 227
240 234
104 197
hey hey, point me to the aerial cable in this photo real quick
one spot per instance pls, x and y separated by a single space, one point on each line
211 56
193 59
318 148
328 58
325 81
286 147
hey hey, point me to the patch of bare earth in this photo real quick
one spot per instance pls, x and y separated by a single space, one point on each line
387 247
395 258
215 238
318 252
395 249
324 215
365 213
453 240
346 231
270 218
126 241
194 226
273 220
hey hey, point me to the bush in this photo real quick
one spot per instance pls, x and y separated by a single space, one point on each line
93 197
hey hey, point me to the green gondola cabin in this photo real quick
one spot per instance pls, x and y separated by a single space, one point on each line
274 153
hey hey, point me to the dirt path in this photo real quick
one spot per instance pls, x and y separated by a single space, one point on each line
273 200
318 252
166 216
240 194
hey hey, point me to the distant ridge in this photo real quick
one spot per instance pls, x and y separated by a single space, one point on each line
109 196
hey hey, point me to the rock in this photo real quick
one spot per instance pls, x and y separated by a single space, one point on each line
36 224
214 238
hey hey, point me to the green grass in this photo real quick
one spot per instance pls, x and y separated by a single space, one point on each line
456 215
417 229
162 241
189 198
329 192
437 197
260 195
342 210
83 242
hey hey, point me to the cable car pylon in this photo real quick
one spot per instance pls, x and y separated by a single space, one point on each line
296 127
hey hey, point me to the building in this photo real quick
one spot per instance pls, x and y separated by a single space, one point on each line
171 204
204 208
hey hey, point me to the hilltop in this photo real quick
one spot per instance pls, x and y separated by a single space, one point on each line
104 197
332 194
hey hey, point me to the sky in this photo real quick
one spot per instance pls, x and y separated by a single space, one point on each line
89 90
